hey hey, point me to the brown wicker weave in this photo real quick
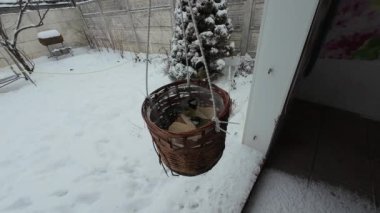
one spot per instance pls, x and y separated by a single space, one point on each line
189 153
51 40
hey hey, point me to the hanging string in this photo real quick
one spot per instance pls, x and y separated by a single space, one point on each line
146 83
184 36
215 118
147 51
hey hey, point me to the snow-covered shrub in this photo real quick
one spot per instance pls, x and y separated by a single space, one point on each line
246 65
215 30
179 71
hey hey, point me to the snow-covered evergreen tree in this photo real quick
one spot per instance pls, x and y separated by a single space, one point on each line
215 30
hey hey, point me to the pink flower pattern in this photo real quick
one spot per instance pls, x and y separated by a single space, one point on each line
356 21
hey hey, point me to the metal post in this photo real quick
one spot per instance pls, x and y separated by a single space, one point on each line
249 6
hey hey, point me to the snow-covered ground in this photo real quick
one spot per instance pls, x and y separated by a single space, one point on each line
280 192
77 143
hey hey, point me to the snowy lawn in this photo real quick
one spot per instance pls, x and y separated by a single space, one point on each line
78 143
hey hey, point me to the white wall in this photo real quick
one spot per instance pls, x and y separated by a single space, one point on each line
66 20
284 29
352 85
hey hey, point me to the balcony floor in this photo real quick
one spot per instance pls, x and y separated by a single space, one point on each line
323 158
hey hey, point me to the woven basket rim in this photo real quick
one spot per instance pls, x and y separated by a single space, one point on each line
199 83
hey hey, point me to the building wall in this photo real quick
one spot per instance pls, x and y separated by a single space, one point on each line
66 20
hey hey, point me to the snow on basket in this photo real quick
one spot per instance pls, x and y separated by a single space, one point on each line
49 37
178 117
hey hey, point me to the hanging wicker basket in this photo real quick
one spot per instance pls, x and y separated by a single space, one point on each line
187 153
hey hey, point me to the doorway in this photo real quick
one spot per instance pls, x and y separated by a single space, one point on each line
330 128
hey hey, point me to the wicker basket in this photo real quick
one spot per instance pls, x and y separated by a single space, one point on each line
188 153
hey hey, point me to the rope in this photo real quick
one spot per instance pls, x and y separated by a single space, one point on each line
229 79
147 51
215 118
185 40
146 85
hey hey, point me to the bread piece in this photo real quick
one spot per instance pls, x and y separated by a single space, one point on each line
208 112
178 127
187 120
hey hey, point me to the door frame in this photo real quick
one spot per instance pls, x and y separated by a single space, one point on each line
319 27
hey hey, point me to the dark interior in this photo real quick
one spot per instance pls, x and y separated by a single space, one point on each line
333 140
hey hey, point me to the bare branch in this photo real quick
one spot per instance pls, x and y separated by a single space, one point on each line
22 11
22 60
38 10
40 23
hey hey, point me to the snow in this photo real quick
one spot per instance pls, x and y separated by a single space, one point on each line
280 192
221 13
48 34
214 51
208 38
221 30
232 45
222 4
220 64
246 65
210 20
77 143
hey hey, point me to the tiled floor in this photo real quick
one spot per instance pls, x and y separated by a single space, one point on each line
332 146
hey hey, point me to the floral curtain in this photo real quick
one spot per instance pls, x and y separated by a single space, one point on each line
355 31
